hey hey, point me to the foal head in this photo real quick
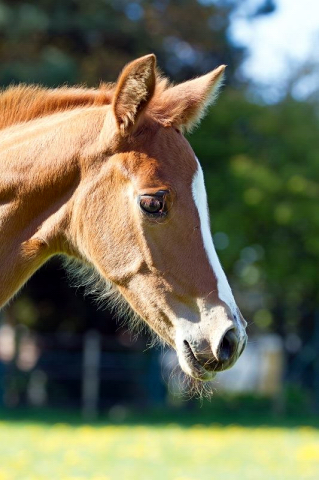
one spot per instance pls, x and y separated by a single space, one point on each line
141 218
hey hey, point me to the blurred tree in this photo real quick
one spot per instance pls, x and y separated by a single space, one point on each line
75 41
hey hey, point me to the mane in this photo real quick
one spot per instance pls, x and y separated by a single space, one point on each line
23 103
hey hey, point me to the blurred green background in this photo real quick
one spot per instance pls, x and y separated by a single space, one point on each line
261 161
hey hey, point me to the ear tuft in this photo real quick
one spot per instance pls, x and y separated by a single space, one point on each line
134 90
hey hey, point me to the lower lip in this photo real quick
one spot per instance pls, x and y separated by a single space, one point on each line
198 372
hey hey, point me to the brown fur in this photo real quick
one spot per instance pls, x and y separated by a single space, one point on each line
73 162
24 102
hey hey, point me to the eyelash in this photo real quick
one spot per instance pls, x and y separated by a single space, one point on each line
157 201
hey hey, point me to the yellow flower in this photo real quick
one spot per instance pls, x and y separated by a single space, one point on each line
309 453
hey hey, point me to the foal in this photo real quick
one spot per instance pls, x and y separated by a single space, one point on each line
107 178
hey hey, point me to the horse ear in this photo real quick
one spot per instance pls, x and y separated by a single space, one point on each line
133 91
184 105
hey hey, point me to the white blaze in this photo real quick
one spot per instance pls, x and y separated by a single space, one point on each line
200 199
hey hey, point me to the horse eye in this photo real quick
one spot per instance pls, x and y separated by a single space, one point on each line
153 204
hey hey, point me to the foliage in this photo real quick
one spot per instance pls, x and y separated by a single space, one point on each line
79 41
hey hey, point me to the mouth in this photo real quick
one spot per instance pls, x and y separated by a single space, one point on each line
191 365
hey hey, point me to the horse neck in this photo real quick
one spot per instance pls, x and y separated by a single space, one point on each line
39 172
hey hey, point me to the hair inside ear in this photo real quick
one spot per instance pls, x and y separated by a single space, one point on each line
183 106
134 90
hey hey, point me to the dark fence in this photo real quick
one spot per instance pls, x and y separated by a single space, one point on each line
89 371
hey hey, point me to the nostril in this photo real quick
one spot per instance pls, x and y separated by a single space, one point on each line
228 346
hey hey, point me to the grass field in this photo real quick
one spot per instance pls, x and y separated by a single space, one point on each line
34 449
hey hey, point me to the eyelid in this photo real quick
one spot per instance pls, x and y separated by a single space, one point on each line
158 194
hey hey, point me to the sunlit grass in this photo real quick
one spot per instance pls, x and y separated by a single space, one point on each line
31 451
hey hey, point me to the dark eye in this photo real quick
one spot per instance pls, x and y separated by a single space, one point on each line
153 205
